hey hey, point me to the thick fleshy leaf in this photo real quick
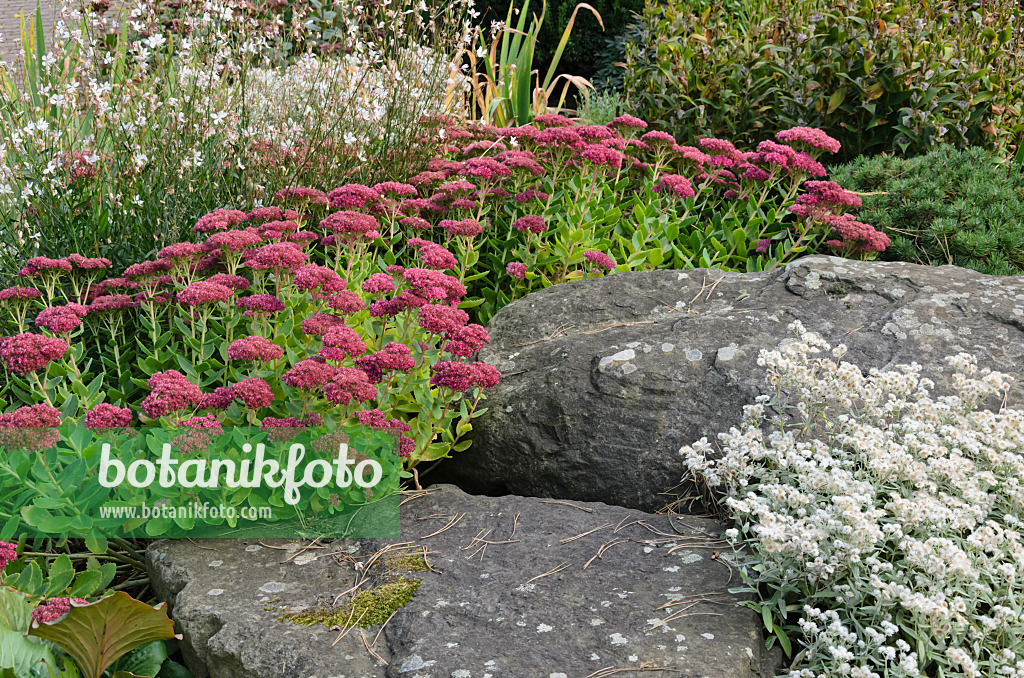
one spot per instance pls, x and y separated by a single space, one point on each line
97 634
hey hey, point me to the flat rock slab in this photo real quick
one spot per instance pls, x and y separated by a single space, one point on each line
518 588
605 379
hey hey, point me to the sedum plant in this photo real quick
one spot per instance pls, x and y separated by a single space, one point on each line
949 206
562 201
285 318
884 521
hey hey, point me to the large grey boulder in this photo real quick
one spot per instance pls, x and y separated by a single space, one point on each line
605 379
516 589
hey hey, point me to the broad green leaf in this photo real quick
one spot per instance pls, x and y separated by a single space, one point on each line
61 574
22 656
98 634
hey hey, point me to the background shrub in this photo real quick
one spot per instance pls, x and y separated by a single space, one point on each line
900 76
950 206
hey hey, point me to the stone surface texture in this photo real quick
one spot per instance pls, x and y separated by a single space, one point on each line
605 379
477 614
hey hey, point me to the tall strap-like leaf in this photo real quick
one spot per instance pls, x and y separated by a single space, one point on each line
565 39
40 42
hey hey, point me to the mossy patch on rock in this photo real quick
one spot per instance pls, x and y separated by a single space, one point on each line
375 605
368 608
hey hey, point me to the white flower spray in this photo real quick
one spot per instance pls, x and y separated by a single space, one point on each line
884 520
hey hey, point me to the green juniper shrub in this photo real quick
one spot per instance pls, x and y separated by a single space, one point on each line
950 206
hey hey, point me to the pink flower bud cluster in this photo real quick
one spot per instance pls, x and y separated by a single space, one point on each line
340 342
486 168
19 293
260 305
392 357
466 341
170 391
181 251
828 194
352 195
308 375
433 255
234 240
8 552
55 608
254 393
394 188
461 377
254 349
262 214
552 120
107 417
602 156
531 194
534 223
38 264
466 227
117 302
204 292
219 220
560 137
281 256
380 283
310 277
27 352
627 121
810 137
675 185
600 259
344 302
516 270
61 319
656 138
439 319
301 194
355 223
375 419
349 385
146 269
857 237
30 427
87 263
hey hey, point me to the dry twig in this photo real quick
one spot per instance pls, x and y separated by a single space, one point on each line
580 536
451 524
548 573
604 547
566 503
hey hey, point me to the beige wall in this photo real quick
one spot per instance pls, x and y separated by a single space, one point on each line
10 25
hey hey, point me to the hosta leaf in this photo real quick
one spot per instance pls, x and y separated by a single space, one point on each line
98 634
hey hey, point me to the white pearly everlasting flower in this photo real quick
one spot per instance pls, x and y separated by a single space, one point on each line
896 511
